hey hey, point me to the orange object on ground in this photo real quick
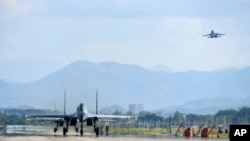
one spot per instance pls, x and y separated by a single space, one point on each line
205 132
188 132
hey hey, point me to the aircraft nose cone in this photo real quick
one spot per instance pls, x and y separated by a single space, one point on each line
82 116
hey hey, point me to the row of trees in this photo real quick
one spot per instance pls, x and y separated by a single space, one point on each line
13 120
222 117
19 120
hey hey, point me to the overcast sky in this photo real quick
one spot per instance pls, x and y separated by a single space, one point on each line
41 36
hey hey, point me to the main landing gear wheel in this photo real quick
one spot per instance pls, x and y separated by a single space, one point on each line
81 130
55 129
97 131
64 131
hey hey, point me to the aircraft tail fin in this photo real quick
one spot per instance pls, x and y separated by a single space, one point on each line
97 101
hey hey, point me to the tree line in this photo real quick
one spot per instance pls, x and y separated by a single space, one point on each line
222 117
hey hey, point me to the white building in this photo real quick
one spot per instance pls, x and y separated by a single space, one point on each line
136 108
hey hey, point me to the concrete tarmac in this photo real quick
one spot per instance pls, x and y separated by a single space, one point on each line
101 138
48 135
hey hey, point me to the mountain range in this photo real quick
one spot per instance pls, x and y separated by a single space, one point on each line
124 84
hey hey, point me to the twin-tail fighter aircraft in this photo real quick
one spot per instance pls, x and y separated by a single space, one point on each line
213 34
79 117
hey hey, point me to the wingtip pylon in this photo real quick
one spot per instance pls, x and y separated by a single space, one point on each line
97 101
64 110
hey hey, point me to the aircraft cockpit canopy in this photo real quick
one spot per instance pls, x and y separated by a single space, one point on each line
82 107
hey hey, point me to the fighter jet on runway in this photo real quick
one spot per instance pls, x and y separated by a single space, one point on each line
213 34
79 117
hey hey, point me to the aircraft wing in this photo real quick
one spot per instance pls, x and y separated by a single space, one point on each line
49 117
109 116
220 34
206 35
45 119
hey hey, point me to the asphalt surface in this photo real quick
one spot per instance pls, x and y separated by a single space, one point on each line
46 134
101 138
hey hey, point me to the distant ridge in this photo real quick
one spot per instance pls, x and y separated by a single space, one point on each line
122 84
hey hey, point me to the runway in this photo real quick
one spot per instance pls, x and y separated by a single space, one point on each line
44 133
101 138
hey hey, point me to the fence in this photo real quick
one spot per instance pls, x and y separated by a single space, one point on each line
25 129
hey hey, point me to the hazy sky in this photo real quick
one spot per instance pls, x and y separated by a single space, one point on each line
40 36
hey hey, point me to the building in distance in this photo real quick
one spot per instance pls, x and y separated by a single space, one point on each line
136 108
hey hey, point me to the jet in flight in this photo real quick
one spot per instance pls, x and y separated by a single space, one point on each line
213 34
79 117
